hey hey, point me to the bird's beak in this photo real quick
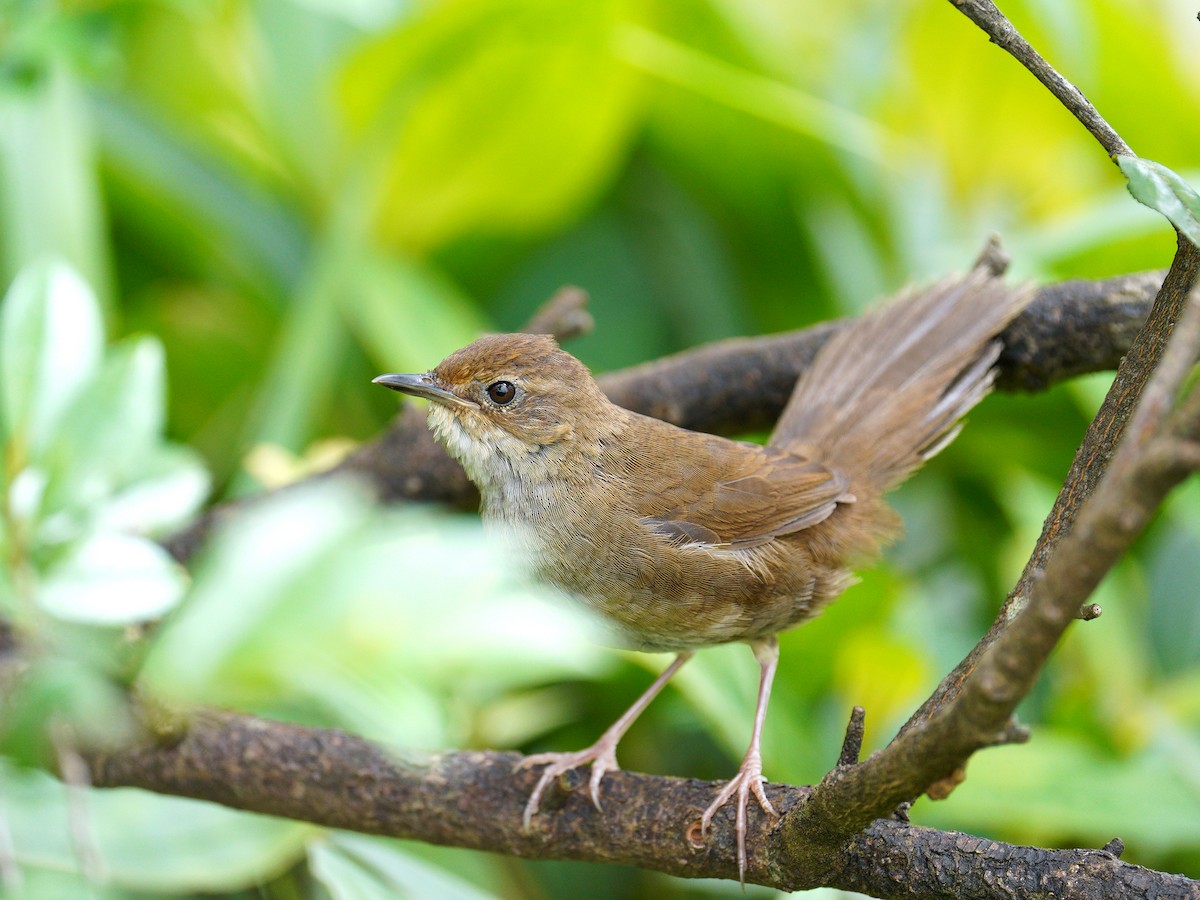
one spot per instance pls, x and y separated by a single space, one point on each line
423 386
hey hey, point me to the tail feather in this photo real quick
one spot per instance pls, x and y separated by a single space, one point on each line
888 391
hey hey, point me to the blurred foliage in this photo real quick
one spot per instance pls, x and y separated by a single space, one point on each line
290 196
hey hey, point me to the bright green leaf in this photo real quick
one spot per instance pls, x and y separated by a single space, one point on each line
882 673
51 339
26 493
761 96
391 307
297 382
1173 571
1161 189
322 560
50 199
112 579
501 116
38 882
192 205
1046 792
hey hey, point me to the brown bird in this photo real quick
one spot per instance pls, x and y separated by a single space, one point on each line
682 540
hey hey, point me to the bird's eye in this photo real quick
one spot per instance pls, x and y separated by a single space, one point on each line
501 393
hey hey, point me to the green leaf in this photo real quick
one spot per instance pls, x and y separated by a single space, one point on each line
51 340
1046 792
1173 571
67 693
499 115
110 430
197 847
50 201
355 866
107 465
254 570
112 579
1161 189
343 876
192 206
767 98
297 383
322 560
170 488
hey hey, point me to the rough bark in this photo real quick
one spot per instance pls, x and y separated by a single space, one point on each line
474 799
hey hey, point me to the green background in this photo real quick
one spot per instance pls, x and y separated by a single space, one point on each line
292 196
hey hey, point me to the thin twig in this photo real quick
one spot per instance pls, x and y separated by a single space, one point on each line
1000 30
993 257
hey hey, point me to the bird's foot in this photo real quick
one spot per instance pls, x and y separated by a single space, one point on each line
602 755
749 779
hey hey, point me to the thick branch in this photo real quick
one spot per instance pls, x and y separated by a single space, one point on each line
474 799
930 753
1091 459
742 384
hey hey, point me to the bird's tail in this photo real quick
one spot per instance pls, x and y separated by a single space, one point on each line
889 390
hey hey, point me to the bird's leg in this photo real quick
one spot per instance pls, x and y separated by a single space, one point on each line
602 754
749 777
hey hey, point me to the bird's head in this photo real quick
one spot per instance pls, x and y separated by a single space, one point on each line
505 399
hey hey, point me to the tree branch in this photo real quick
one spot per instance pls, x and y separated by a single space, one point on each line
1091 459
474 800
1001 32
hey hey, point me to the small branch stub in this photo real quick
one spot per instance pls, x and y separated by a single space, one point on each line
944 787
993 257
564 315
852 743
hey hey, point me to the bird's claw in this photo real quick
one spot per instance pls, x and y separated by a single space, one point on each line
602 757
749 780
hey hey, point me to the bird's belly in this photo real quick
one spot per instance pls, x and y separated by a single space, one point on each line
653 595
680 600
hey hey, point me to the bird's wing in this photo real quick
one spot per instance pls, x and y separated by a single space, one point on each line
735 495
